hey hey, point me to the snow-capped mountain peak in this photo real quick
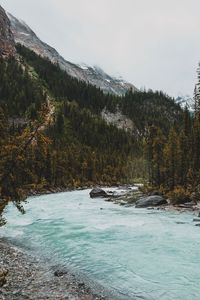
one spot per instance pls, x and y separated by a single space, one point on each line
185 101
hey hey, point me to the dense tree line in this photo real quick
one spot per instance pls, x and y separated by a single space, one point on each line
174 159
20 94
76 149
93 151
75 146
147 108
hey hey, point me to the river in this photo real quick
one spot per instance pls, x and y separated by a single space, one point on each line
138 253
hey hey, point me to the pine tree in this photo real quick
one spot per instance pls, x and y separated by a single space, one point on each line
171 160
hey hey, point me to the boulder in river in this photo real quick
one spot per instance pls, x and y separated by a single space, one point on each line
60 273
196 220
97 192
150 201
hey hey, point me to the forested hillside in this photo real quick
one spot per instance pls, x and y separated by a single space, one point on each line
173 158
143 108
20 93
52 133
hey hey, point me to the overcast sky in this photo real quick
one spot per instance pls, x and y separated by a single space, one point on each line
151 43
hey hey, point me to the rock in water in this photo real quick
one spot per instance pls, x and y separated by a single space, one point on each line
60 273
150 201
97 192
196 220
3 274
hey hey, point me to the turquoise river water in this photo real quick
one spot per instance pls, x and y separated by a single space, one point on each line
138 253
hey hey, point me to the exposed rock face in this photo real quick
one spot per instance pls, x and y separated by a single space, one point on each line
94 75
150 201
7 44
185 101
119 120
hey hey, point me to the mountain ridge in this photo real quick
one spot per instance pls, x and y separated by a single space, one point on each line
185 101
25 36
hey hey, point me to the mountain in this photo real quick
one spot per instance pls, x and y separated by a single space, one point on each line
58 131
25 36
142 108
65 142
185 101
7 44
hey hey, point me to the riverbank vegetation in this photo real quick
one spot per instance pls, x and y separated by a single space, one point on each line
173 158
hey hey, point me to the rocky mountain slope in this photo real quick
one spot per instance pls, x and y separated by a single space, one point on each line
7 44
185 101
119 120
24 35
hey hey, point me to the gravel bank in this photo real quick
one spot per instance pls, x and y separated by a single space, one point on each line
28 278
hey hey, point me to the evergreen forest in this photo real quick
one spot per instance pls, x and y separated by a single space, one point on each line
53 135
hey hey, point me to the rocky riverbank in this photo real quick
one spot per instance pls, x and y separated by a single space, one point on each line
133 196
23 276
127 195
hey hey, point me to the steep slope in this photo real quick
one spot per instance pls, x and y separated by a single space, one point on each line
63 143
142 108
94 75
75 147
7 44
